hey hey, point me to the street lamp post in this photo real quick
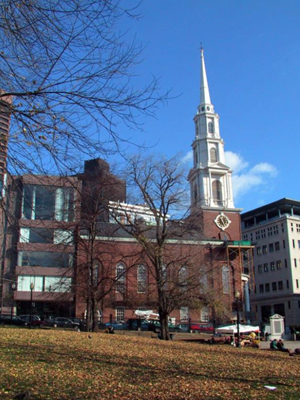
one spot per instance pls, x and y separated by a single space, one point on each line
13 287
31 290
237 299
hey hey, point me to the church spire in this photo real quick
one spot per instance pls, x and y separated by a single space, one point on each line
210 177
204 89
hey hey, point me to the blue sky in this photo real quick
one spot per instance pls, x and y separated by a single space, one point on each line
252 60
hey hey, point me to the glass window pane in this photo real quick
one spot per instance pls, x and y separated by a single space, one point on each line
41 235
24 235
27 201
63 237
24 282
142 278
44 203
45 259
57 284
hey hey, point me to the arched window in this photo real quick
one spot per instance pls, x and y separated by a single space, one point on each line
217 191
213 155
141 278
183 278
195 193
210 127
203 281
121 278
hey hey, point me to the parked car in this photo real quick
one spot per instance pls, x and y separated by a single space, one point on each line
117 325
11 320
149 325
62 322
35 320
202 327
82 324
183 327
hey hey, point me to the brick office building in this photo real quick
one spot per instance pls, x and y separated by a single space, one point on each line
40 248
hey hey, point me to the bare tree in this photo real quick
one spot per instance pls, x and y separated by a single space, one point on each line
160 185
67 80
96 276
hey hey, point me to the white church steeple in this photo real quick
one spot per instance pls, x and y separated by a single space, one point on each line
210 177
204 90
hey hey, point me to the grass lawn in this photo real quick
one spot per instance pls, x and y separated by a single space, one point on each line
61 365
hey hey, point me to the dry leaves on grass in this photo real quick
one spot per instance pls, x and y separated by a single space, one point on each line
68 365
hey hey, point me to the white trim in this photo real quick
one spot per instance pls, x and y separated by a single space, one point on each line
173 241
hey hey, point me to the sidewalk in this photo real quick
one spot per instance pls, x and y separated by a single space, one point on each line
287 344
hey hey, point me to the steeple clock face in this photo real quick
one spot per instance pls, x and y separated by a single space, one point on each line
222 221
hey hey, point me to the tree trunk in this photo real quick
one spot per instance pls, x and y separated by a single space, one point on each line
164 326
95 326
88 315
163 316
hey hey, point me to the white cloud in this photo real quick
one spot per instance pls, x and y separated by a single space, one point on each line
245 179
188 158
264 168
235 161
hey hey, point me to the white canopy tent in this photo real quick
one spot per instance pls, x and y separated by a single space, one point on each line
230 329
147 314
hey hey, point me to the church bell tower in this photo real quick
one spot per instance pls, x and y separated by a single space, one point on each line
210 178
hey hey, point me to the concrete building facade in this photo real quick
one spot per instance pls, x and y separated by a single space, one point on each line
275 230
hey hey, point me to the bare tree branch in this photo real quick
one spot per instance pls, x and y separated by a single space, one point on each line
70 73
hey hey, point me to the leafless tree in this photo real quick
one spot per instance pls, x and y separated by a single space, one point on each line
97 258
67 80
159 185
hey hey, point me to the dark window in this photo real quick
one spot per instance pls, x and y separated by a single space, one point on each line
266 268
267 287
264 249
279 309
48 203
27 201
217 190
294 244
45 259
259 269
277 246
120 277
40 235
213 155
141 279
265 313
287 284
271 247
280 285
258 250
261 288
44 203
274 286
278 264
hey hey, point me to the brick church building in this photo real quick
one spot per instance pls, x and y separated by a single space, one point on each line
61 242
